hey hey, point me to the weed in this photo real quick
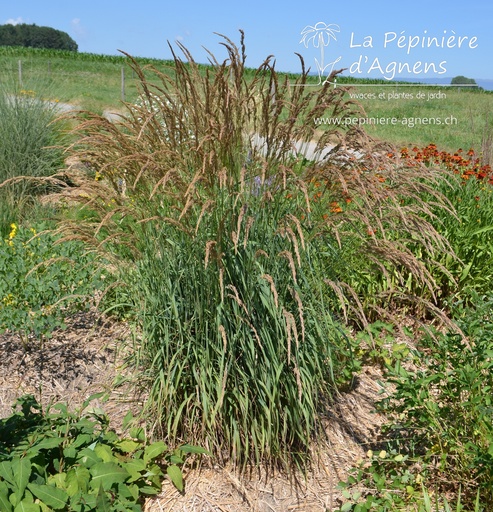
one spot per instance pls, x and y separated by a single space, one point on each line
73 461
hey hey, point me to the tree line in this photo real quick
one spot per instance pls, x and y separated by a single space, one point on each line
33 36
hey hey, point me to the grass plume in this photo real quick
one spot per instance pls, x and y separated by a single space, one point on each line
240 254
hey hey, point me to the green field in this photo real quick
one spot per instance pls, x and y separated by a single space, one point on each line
94 82
426 110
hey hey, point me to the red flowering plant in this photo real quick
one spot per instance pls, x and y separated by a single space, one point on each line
465 164
468 184
348 198
373 207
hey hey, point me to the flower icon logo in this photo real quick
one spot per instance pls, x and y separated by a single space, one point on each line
320 36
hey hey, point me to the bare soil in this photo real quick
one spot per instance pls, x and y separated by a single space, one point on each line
88 356
72 365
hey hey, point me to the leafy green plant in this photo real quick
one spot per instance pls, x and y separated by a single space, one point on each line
447 409
386 480
57 460
440 432
41 281
377 345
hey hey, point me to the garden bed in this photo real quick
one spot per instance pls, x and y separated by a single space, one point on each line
73 364
86 358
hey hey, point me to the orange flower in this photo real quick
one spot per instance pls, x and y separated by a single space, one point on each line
335 207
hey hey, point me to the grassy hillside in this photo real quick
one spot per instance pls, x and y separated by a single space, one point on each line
450 117
94 82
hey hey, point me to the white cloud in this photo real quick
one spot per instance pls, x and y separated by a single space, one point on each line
77 28
180 38
11 21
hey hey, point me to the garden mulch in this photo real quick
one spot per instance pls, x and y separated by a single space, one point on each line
75 363
89 355
352 427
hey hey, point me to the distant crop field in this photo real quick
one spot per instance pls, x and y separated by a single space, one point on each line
449 117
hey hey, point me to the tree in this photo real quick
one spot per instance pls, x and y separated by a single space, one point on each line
33 36
462 80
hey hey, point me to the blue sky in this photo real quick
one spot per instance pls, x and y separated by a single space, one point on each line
143 29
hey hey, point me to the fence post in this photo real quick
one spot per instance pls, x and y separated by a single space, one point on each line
123 84
20 72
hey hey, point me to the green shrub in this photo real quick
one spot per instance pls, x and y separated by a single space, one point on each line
72 461
440 433
446 406
42 281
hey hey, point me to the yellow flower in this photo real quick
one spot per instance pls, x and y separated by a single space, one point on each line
9 300
369 454
382 454
13 232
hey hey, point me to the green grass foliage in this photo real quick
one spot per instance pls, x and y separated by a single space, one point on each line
30 153
28 140
234 250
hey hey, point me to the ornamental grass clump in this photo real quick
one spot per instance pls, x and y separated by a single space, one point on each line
29 148
241 255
